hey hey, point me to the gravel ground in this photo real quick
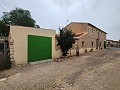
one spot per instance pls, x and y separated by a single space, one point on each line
91 71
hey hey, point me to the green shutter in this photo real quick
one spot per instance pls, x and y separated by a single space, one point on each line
105 45
39 48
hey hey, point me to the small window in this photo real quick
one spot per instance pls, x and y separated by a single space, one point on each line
83 43
109 43
92 44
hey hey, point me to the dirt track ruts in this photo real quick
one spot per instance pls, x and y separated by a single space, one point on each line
92 71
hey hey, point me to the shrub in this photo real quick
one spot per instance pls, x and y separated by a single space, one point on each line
1 62
65 40
7 62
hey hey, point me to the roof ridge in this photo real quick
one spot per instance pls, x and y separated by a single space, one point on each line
88 24
80 22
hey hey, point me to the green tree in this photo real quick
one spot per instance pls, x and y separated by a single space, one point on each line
37 26
2 29
65 40
19 17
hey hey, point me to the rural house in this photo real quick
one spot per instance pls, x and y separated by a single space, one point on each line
88 35
113 43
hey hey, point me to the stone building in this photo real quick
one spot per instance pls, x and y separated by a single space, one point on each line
89 36
113 43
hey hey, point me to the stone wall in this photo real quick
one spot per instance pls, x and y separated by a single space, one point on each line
90 36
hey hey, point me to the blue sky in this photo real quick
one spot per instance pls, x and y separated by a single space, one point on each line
53 14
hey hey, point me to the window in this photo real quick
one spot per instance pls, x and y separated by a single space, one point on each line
109 43
92 44
83 43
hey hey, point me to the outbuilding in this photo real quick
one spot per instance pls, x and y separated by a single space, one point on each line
31 44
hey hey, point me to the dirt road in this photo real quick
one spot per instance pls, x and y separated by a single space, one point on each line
92 71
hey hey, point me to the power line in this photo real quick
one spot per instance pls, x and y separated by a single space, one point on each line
5 3
84 10
2 7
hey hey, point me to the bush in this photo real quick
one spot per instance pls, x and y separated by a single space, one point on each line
7 62
65 40
1 62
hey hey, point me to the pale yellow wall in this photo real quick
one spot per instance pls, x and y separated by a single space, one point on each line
57 54
20 34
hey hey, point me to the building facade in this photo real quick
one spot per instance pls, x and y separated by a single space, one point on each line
89 36
113 43
29 45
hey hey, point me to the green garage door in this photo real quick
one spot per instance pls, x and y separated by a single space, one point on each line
39 48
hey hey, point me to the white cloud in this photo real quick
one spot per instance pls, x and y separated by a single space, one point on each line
54 13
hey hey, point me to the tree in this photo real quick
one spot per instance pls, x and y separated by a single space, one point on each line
19 17
2 29
65 40
37 26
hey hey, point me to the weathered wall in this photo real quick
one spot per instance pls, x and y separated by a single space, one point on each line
19 37
77 27
92 35
72 52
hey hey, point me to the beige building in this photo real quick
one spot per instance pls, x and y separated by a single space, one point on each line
89 36
31 44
